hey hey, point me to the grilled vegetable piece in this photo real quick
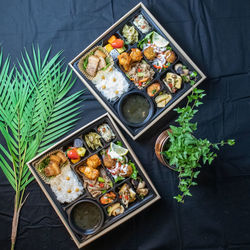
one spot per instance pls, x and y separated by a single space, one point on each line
115 209
162 100
173 82
127 194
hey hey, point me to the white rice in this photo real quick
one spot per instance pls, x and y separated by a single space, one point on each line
111 84
66 186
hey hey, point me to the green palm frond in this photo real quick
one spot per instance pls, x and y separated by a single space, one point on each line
34 111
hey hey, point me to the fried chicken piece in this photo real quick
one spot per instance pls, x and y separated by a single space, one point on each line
62 156
108 161
126 171
94 161
55 158
170 56
136 55
149 53
89 172
52 169
93 62
125 60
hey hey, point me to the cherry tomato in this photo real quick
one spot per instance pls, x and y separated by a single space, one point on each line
101 185
72 154
118 43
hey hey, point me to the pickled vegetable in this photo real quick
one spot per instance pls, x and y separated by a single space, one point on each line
130 33
93 140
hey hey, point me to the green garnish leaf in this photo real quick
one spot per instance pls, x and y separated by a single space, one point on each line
145 40
135 171
100 179
85 61
119 143
231 142
43 164
140 74
193 74
119 178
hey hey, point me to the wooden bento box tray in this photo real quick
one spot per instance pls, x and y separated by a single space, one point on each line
181 56
62 209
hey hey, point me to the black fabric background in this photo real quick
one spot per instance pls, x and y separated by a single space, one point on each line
215 33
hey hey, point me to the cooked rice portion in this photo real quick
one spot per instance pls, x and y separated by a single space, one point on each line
111 84
66 185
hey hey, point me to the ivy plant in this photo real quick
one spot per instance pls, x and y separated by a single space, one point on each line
186 152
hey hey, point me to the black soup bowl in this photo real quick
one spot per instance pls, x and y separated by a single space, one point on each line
135 108
85 217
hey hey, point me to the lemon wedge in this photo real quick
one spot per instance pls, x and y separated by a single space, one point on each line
159 41
118 149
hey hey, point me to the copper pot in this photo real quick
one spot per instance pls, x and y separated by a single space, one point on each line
159 147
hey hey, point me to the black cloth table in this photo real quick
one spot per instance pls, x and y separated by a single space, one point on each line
216 35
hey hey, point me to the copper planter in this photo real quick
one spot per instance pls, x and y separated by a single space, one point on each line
159 148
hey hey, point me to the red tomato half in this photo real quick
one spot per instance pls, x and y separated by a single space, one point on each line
118 43
72 154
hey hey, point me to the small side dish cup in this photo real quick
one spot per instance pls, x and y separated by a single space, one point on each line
87 231
122 101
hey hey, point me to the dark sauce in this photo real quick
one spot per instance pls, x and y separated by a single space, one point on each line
86 216
135 108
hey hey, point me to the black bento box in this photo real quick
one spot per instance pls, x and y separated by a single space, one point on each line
113 106
109 221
